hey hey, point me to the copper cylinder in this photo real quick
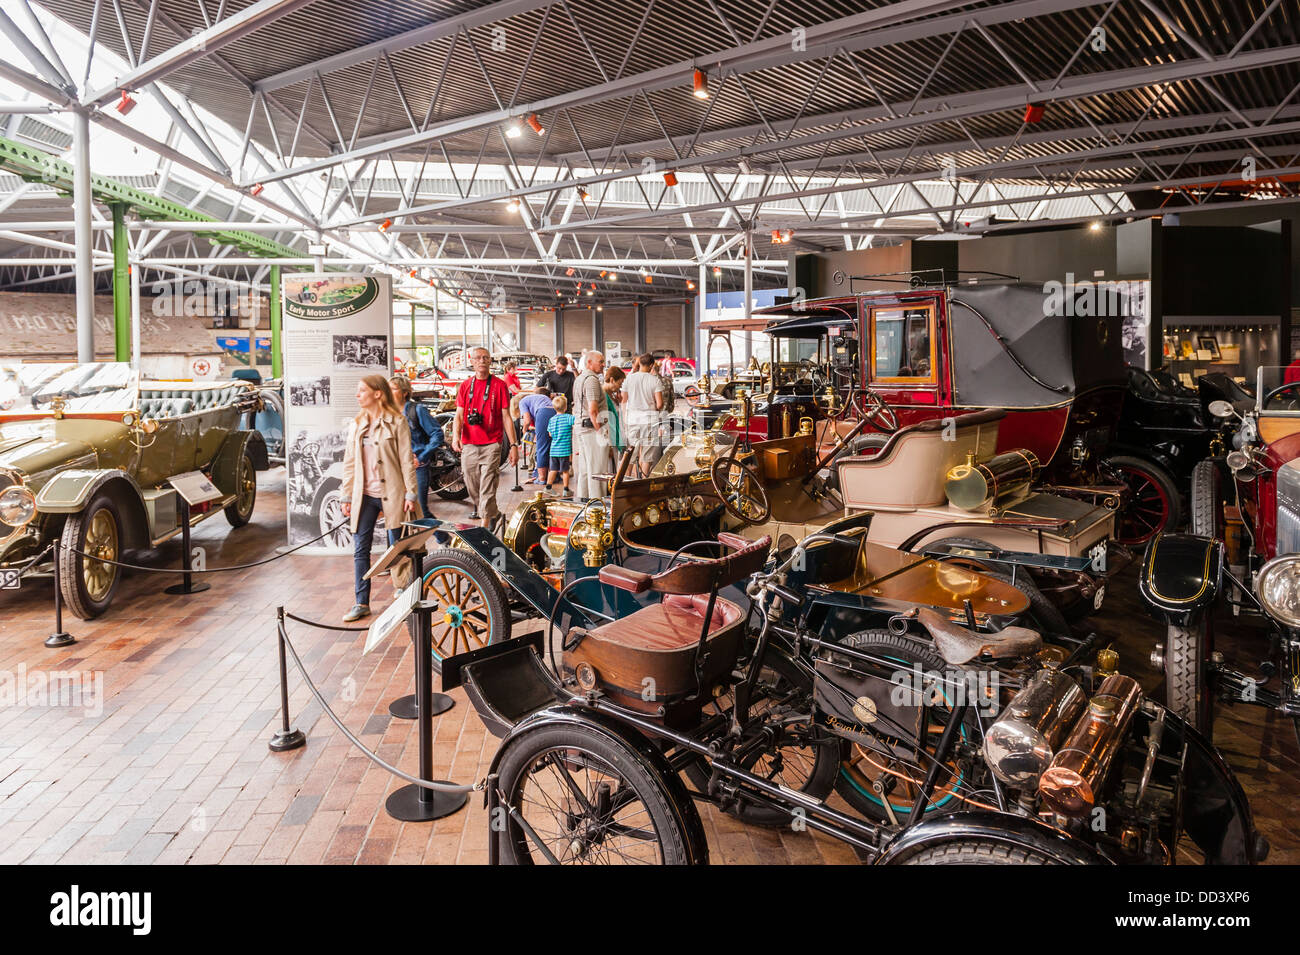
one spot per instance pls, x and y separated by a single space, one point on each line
1079 768
970 486
1020 744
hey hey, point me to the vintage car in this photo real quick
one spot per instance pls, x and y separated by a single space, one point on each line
1245 524
86 456
935 350
640 677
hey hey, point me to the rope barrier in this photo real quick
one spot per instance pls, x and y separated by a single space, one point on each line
207 570
456 788
324 626
35 560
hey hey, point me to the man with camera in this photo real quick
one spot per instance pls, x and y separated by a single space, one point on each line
482 403
590 434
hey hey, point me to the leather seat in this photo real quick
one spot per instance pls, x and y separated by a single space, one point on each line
664 658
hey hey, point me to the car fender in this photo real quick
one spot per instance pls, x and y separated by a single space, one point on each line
225 463
1216 813
1180 577
1003 828
68 492
650 758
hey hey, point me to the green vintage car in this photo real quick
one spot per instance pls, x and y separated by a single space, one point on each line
87 452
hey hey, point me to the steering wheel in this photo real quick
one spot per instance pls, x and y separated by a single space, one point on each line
741 489
1293 386
880 413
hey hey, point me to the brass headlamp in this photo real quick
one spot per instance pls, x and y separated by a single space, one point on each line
592 536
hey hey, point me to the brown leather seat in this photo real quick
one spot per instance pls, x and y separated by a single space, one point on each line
665 657
957 645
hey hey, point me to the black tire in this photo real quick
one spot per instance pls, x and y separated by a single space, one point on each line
1184 667
88 585
540 760
1206 508
813 773
1157 507
240 511
454 487
977 852
473 610
852 783
1046 616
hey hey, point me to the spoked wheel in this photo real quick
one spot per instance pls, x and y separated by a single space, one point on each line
329 514
472 611
807 760
88 584
1153 503
590 800
240 511
889 772
450 485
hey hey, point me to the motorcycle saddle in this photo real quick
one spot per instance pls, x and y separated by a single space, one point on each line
957 645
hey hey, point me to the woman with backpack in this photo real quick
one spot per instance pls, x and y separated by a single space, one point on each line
426 437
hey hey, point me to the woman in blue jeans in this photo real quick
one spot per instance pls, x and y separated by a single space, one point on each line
378 478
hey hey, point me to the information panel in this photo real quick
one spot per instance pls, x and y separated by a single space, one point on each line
337 329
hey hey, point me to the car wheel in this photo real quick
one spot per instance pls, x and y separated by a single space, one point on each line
1184 666
328 511
87 584
240 511
1153 505
473 609
450 485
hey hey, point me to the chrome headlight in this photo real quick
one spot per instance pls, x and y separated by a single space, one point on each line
17 506
1278 587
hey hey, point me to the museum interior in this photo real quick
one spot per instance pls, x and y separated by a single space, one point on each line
755 433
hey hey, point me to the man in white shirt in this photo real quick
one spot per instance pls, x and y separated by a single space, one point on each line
590 434
645 405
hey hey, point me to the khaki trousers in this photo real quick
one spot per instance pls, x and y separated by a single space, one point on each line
481 466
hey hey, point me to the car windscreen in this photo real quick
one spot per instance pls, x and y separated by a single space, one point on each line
93 387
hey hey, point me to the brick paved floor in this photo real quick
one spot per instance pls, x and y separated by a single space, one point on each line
175 769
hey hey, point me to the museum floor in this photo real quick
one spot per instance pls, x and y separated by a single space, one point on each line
175 769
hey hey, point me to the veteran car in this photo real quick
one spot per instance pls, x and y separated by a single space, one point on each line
87 453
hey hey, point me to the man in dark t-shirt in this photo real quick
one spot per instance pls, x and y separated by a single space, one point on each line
559 380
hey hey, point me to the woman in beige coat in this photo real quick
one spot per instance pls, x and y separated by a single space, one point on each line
378 478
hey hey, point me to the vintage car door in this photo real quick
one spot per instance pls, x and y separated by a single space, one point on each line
904 361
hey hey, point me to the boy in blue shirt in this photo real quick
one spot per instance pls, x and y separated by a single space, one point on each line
561 432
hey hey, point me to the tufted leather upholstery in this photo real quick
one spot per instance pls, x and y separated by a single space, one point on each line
171 402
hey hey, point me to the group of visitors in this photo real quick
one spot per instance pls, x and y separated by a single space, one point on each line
582 424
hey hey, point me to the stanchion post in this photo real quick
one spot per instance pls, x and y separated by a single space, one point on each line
414 803
287 738
519 453
187 585
60 637
405 707
493 804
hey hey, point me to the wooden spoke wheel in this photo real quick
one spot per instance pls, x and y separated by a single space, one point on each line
240 511
88 583
472 610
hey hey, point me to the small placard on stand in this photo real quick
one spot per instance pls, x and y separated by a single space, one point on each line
195 487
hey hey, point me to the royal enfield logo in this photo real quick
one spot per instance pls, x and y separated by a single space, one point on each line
325 299
77 908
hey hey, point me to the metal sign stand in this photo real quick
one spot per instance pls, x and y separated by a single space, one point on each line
187 585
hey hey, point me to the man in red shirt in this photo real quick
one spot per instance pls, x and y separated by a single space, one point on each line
480 422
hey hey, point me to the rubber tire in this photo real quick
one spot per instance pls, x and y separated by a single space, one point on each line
71 582
1046 614
233 517
454 494
667 817
825 767
913 651
1185 676
1205 506
976 852
489 586
1157 475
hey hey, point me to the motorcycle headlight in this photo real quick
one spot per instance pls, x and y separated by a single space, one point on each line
17 506
1278 586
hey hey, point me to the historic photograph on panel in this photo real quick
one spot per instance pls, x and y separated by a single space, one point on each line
361 351
310 392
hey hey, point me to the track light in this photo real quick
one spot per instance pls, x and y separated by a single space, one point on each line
717 270
583 194
513 204
613 276
690 285
536 123
413 273
126 103
670 179
256 190
701 82
603 273
649 279
514 128
569 272
385 225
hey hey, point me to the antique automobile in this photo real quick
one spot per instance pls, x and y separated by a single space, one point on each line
87 453
1246 525
981 743
935 349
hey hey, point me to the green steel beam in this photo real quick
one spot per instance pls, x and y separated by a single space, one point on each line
277 355
121 286
36 165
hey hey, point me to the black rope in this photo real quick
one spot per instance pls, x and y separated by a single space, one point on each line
374 757
34 561
207 570
324 626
